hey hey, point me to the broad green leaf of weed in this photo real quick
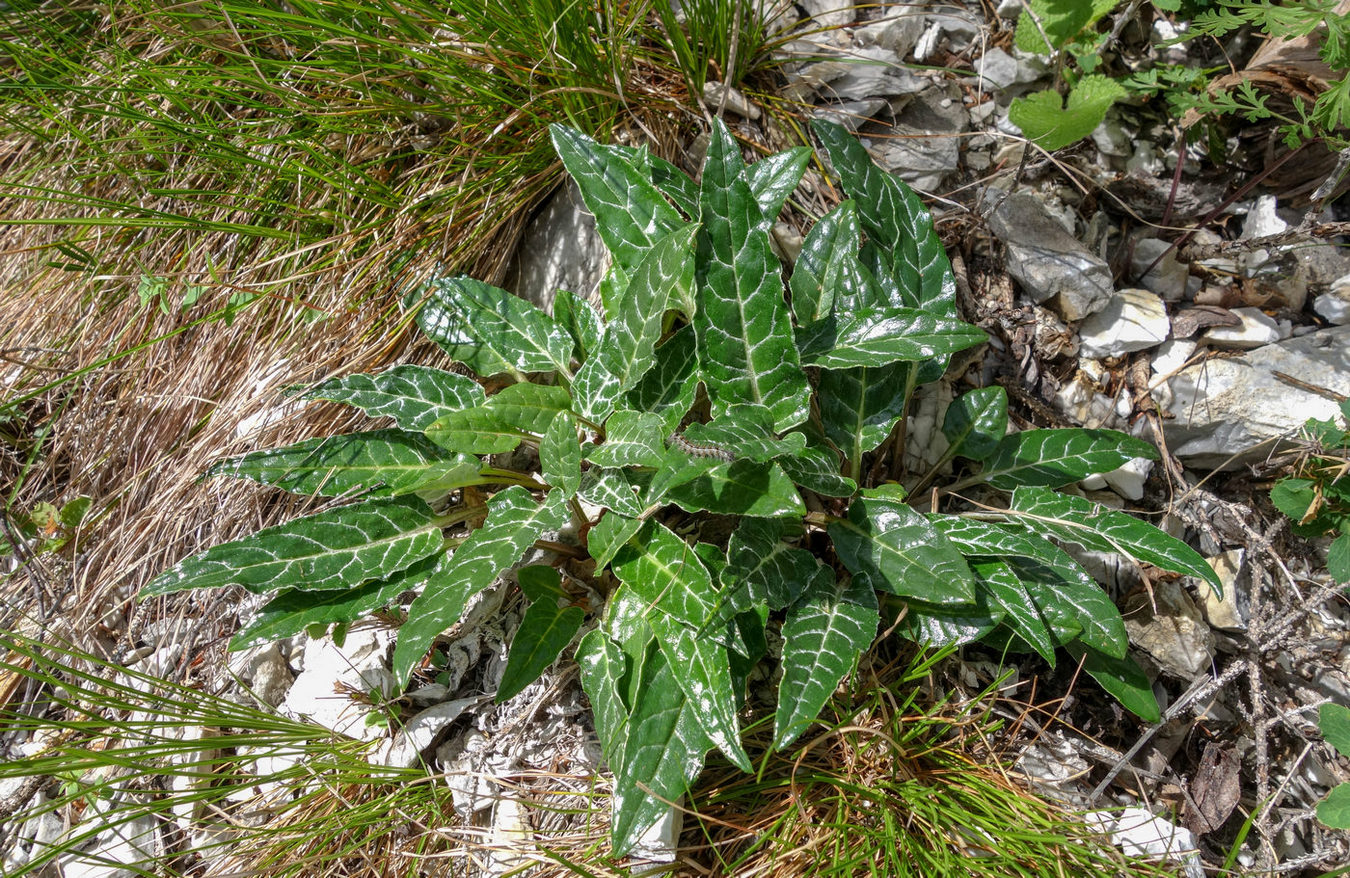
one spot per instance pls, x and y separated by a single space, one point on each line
1093 526
881 336
631 439
748 431
414 396
627 347
976 422
296 610
1122 679
898 227
603 666
827 265
515 520
612 488
1060 21
816 468
942 626
1338 555
669 386
608 535
774 178
663 752
380 463
887 544
1065 596
1055 458
490 330
859 407
744 332
1000 581
545 630
560 454
528 407
631 215
577 316
741 487
475 431
1055 123
823 635
761 567
334 549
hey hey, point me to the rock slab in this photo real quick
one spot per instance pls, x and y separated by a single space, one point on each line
1225 408
1048 262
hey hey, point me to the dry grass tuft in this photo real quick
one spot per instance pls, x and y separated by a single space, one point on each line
227 153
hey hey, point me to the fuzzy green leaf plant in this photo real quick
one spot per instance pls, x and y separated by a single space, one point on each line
712 449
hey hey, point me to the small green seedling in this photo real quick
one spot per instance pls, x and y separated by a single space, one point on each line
1317 496
1334 721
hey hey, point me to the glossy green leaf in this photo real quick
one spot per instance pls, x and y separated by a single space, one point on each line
705 676
899 228
580 320
745 348
627 348
823 635
1006 591
748 432
828 264
614 489
890 547
678 595
529 408
560 454
1095 527
515 520
946 625
603 667
859 407
414 396
737 488
773 179
334 549
670 180
666 575
668 388
1067 598
490 330
761 567
608 536
662 754
880 336
545 630
1123 680
1055 458
976 422
631 439
295 610
816 468
385 463
630 214
475 431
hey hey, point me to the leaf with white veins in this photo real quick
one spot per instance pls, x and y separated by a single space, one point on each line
745 348
515 520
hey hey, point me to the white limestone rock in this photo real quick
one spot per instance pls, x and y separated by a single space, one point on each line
1257 329
1132 320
